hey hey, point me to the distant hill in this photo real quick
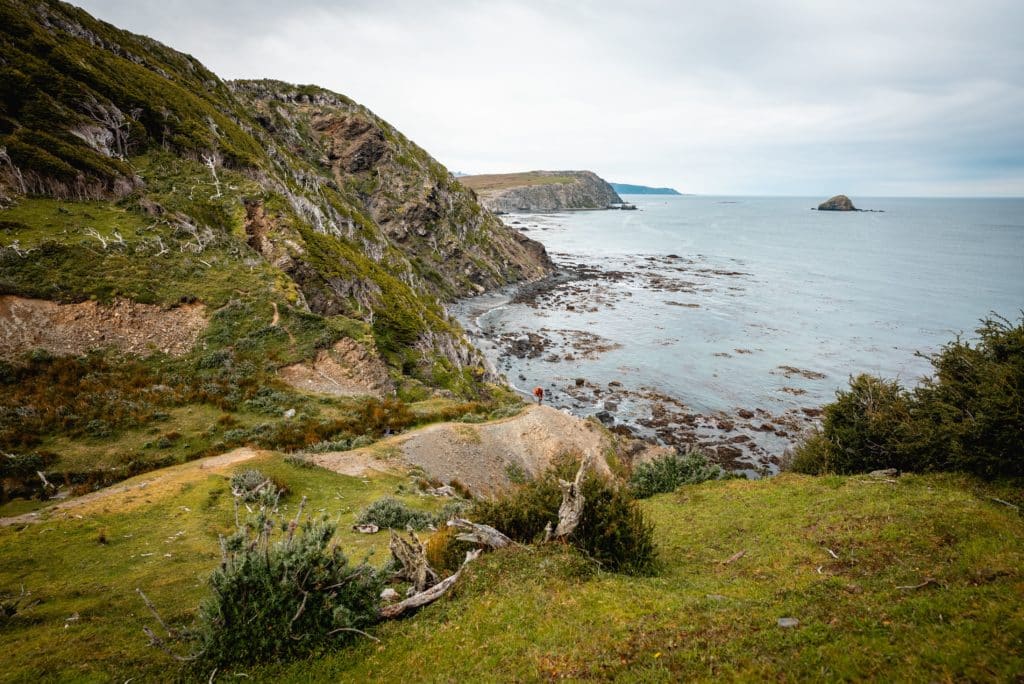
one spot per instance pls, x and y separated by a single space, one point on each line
627 189
542 191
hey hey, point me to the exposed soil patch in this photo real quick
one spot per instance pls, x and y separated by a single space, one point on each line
346 369
482 456
127 326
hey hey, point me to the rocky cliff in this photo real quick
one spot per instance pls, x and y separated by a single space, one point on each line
129 170
542 191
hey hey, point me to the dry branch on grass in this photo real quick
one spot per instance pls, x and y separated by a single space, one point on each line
480 534
430 595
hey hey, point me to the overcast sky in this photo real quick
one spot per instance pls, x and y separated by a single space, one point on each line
868 97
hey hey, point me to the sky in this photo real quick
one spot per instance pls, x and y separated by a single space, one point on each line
809 98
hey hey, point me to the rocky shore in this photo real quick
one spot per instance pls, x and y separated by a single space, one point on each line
748 439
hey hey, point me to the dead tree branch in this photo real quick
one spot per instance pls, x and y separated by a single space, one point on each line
479 534
92 232
210 160
430 595
172 633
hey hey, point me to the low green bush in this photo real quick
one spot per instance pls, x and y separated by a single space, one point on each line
252 486
275 599
392 513
613 529
968 416
667 473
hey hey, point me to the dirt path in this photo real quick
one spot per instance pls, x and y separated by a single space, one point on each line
485 457
179 473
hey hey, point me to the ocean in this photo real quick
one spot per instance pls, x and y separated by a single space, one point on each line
727 322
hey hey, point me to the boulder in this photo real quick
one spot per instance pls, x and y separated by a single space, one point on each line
837 203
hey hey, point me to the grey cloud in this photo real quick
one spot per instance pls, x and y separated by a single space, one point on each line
792 97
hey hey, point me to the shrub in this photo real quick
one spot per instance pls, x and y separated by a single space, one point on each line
392 513
969 416
613 529
445 552
667 473
251 485
279 599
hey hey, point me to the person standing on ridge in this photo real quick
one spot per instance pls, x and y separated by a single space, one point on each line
538 394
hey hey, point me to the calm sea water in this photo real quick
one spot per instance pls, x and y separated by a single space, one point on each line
717 301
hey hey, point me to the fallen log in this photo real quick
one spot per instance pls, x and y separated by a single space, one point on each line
428 596
479 534
413 558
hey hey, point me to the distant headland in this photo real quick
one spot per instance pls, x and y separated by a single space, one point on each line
628 189
543 191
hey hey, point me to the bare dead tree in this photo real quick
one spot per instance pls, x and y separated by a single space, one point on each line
16 247
92 232
211 161
112 119
15 171
571 511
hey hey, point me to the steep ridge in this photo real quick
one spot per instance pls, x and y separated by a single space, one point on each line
542 191
173 186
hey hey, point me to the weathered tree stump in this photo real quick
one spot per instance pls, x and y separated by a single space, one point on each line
413 557
571 511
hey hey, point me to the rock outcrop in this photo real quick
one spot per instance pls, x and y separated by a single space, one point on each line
837 203
542 191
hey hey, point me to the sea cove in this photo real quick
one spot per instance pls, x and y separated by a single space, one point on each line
727 322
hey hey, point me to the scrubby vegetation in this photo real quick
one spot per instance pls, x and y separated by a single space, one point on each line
968 416
280 595
669 472
390 513
613 530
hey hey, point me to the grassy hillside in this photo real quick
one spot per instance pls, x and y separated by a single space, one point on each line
292 217
503 181
709 613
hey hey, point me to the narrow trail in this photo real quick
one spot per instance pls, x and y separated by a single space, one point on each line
211 463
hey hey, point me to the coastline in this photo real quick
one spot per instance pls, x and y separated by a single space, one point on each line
751 441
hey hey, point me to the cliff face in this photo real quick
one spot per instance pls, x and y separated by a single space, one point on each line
174 185
542 191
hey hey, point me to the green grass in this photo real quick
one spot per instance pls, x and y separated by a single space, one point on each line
162 539
503 181
547 614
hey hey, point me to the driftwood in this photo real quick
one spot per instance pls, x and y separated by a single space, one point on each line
479 534
734 557
571 511
429 596
413 558
1005 503
927 581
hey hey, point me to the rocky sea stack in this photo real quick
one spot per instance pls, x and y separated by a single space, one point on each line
837 203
